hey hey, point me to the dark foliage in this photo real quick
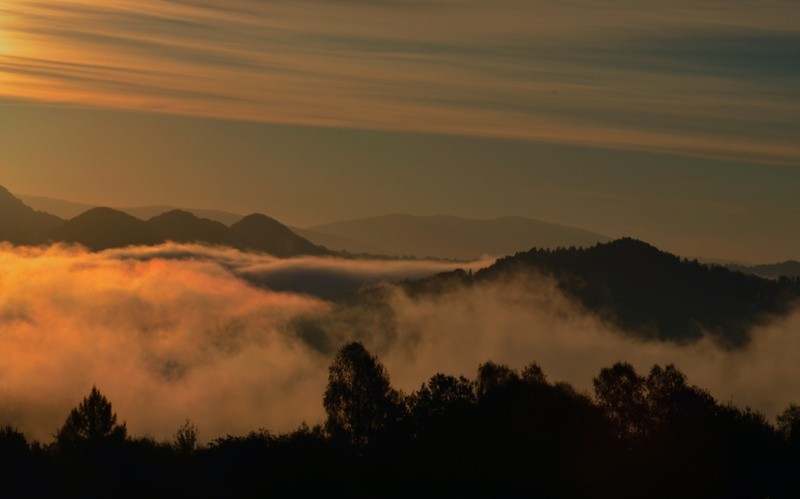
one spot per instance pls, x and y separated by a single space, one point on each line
505 433
360 403
649 293
641 289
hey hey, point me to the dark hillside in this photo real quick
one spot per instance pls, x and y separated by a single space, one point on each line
183 227
20 224
655 294
104 228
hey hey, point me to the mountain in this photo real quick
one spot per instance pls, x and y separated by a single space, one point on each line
183 227
59 207
340 243
454 237
262 233
643 291
104 228
789 268
69 209
148 212
20 224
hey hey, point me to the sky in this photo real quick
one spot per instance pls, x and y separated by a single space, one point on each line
673 122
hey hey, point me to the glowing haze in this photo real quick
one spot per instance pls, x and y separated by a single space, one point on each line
675 122
179 331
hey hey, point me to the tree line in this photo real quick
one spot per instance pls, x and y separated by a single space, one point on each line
506 432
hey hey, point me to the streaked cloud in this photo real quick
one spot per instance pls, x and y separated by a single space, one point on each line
712 79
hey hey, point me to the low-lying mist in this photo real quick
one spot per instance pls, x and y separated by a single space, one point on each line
222 337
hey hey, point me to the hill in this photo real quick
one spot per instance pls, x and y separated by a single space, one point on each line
59 207
103 228
20 224
633 287
643 291
184 227
453 237
70 209
262 233
148 212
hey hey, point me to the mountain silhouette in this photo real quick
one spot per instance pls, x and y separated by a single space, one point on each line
70 209
183 227
262 233
341 243
103 228
20 224
452 237
58 207
147 212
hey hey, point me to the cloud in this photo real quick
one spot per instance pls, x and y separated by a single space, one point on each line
671 77
521 321
182 331
167 333
323 277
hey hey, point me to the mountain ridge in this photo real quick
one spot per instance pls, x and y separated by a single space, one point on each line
448 236
101 228
641 290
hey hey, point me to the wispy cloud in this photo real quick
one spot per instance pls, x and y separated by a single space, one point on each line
698 78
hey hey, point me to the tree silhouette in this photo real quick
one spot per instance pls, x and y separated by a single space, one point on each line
359 401
493 377
620 391
789 424
91 424
185 439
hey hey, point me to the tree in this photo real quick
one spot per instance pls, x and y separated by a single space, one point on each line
532 374
91 424
492 378
359 400
789 424
441 394
440 401
185 439
620 391
671 401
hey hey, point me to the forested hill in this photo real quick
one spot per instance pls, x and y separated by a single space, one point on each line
644 291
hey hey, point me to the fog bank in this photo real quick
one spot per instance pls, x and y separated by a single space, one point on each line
181 331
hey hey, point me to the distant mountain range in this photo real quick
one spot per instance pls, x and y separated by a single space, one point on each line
637 288
391 235
28 220
21 224
104 228
789 268
70 209
452 237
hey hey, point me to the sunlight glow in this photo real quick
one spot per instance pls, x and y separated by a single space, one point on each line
496 75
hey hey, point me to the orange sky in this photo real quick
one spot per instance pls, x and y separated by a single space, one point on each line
675 122
596 73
